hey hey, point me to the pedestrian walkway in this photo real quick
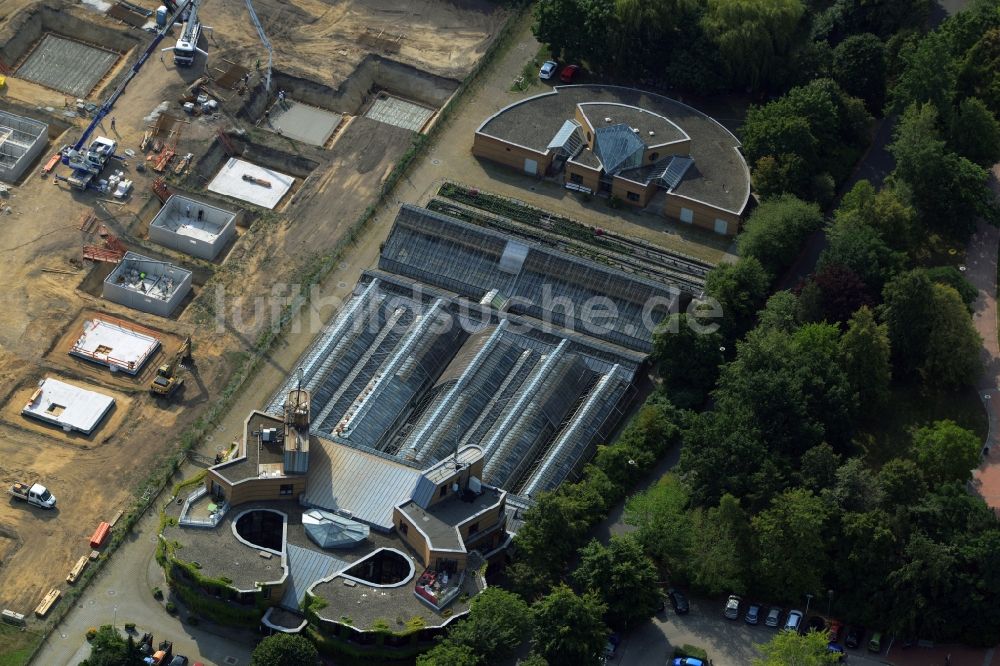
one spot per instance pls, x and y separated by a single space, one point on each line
952 655
981 271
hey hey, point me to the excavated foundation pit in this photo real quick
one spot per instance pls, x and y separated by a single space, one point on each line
66 65
64 48
384 90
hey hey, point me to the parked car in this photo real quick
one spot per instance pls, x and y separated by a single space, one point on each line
687 661
854 637
179 660
837 649
773 618
875 642
678 601
548 70
732 607
794 620
835 629
753 614
569 73
612 646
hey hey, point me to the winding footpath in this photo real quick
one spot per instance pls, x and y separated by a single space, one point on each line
981 271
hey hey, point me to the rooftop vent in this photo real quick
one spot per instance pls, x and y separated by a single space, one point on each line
652 133
607 119
635 129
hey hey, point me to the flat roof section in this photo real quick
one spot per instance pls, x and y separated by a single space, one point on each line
308 124
232 181
114 345
399 112
67 406
66 65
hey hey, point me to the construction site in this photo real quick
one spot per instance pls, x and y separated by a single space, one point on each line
109 110
188 181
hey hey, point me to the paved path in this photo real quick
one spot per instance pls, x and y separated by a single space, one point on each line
122 593
981 271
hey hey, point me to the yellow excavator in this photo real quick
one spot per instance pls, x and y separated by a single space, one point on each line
167 380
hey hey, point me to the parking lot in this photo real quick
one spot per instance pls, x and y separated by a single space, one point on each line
728 642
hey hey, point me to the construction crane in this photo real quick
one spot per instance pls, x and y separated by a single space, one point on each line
265 41
166 381
187 43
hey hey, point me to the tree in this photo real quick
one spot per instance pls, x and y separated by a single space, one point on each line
953 346
952 277
902 483
978 74
946 452
497 623
834 293
449 653
950 191
818 468
108 648
791 550
660 514
687 358
723 542
569 629
776 230
284 650
929 74
860 248
577 29
782 313
975 133
859 67
753 36
907 314
623 577
884 210
790 648
865 357
741 290
856 488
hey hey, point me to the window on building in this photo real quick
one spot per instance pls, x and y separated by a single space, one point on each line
444 491
473 528
403 527
653 157
266 593
687 215
632 196
286 489
576 178
589 137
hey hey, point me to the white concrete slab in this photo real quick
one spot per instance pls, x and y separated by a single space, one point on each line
302 122
229 181
67 406
114 345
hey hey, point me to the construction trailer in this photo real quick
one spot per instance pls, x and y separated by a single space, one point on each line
149 285
22 140
193 227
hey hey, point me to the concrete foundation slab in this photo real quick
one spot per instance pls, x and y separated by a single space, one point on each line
115 345
66 65
21 141
399 112
304 123
147 284
193 227
231 182
67 406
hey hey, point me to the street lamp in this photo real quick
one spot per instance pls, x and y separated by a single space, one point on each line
809 599
829 601
115 623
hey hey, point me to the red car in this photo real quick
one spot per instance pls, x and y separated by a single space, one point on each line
569 73
836 628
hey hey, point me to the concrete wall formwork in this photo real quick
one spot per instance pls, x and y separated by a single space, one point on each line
193 227
147 284
22 140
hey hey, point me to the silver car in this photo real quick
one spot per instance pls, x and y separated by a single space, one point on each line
794 621
733 607
548 70
773 618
